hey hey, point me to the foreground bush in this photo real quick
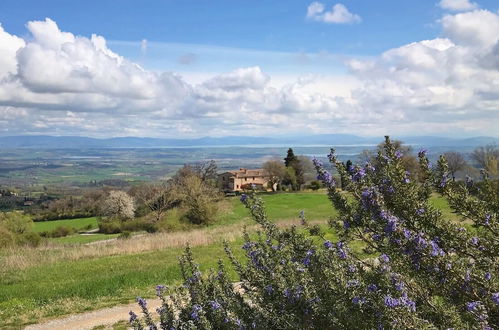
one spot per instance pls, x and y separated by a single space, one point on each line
426 272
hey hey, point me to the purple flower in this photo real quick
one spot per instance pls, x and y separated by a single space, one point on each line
391 302
357 300
471 306
487 276
399 154
384 258
214 305
142 302
495 298
160 289
269 289
372 287
244 198
317 162
328 244
436 250
358 174
133 316
487 219
248 245
407 233
420 211
195 312
340 250
475 241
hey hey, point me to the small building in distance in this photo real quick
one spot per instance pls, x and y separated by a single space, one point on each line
242 179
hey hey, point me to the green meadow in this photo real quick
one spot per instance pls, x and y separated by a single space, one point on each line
50 281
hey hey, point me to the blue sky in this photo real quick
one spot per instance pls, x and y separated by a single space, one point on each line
279 55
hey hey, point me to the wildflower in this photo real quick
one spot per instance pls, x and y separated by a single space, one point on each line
471 306
133 316
269 289
340 250
475 241
391 302
487 219
244 198
160 289
420 211
384 258
399 154
328 244
195 312
357 300
358 174
372 287
214 305
495 298
142 302
487 276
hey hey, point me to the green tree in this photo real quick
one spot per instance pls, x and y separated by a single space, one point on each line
290 158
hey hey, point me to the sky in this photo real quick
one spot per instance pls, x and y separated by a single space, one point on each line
192 68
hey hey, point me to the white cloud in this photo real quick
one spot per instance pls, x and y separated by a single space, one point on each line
58 83
339 14
457 5
478 28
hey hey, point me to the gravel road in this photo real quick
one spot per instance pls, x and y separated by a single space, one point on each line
89 320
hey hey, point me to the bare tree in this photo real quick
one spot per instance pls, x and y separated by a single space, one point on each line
487 158
307 168
276 171
158 198
119 204
456 162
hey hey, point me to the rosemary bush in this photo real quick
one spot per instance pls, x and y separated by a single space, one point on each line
424 272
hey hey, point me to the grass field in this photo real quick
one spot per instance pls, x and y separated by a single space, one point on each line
78 224
83 239
59 279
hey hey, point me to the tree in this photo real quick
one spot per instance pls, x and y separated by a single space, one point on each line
456 162
290 158
487 158
207 171
156 197
305 169
199 198
276 171
119 204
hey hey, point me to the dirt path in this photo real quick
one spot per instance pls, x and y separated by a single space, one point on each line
89 320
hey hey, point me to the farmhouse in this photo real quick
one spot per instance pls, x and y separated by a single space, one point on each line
242 179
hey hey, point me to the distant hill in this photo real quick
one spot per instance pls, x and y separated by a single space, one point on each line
76 142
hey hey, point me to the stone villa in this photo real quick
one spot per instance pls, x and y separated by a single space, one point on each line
242 179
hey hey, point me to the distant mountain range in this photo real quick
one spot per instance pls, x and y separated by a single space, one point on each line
76 142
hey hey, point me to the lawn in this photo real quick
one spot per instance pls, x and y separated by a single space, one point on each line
78 224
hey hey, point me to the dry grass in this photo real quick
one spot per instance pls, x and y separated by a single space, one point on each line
22 258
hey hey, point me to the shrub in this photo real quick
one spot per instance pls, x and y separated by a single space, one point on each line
62 231
30 238
423 271
124 235
107 226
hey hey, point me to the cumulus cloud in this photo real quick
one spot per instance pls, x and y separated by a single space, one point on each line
339 14
55 82
457 5
447 80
